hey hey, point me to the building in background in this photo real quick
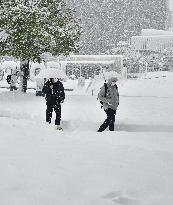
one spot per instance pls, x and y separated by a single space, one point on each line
171 20
152 41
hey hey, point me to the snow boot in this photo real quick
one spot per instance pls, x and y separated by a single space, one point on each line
58 127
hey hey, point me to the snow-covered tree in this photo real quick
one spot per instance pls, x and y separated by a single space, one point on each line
33 27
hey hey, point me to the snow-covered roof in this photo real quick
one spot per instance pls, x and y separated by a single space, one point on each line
94 57
115 60
153 32
89 62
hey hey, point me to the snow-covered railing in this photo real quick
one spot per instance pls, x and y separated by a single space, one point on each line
115 60
155 43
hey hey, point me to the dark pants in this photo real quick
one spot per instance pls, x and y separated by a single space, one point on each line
49 110
39 93
13 88
110 120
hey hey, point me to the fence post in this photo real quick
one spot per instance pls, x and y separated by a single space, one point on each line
92 92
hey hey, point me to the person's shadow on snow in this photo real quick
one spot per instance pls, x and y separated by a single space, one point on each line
143 128
74 125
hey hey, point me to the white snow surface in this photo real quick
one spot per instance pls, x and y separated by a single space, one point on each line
78 166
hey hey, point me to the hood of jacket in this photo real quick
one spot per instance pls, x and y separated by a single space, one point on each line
111 80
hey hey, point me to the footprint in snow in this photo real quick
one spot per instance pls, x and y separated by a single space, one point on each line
118 198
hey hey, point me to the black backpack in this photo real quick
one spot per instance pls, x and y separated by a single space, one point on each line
8 79
106 89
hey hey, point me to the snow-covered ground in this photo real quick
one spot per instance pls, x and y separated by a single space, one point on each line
78 166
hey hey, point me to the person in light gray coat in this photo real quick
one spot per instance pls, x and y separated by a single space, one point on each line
13 82
109 97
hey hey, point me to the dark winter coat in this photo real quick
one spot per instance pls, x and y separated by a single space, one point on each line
56 95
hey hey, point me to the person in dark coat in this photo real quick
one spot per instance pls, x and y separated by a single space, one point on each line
54 95
109 97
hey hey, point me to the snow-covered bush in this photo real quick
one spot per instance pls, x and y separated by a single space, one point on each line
141 62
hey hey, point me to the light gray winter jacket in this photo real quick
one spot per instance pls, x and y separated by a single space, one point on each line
112 96
13 81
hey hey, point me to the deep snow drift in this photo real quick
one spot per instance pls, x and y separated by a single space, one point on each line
131 166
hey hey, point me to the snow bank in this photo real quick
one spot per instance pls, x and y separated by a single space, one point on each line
131 166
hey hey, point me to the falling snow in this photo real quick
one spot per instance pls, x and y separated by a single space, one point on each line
83 43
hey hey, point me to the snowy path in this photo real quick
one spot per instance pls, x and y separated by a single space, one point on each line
46 167
41 166
135 113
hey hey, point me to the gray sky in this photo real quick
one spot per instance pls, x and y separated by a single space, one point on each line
171 4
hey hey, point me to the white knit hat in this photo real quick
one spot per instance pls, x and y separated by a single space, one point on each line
112 79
